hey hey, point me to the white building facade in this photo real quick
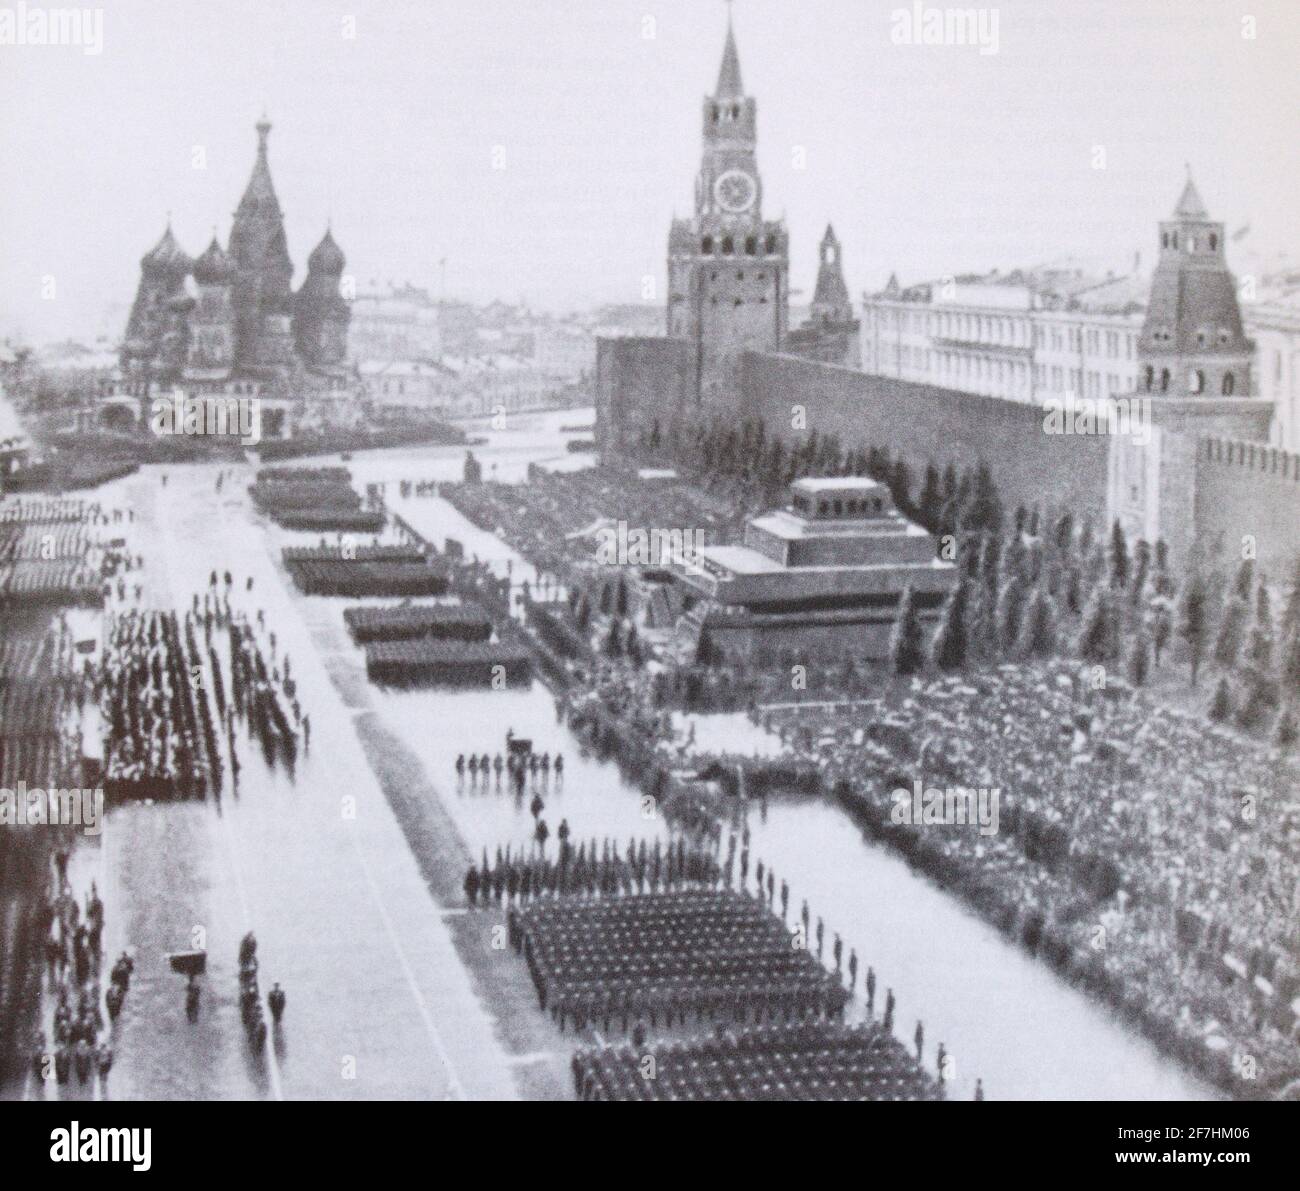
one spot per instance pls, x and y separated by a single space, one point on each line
1005 339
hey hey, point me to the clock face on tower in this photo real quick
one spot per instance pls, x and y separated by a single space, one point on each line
735 191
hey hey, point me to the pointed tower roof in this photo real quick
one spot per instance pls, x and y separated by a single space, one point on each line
729 84
259 194
831 290
1190 205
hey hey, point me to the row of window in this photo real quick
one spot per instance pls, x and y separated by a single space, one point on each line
1011 332
1195 381
728 245
1203 336
1002 378
1191 243
840 508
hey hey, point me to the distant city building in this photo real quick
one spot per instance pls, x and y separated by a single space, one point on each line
1024 336
15 446
564 351
458 386
1274 324
397 323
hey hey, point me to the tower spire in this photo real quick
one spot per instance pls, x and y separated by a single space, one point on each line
1190 205
729 84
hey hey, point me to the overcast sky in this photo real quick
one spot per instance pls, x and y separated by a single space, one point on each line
928 159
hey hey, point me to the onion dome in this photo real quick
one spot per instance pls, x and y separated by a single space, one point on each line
166 256
214 267
327 256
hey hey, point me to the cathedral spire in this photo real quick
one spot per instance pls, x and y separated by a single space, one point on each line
259 194
729 84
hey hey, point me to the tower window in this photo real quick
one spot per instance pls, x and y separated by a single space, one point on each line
1164 239
771 246
1214 242
1196 381
707 246
1229 384
716 114
1174 239
1164 380
740 275
1191 243
728 246
1150 377
751 245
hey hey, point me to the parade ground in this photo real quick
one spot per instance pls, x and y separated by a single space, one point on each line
349 870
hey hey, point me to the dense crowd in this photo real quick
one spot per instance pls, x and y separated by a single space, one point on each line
546 521
1181 843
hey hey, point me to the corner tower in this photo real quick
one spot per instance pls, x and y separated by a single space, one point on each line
727 265
1194 370
1192 343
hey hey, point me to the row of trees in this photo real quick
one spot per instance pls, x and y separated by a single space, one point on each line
1258 656
1030 589
760 468
1032 595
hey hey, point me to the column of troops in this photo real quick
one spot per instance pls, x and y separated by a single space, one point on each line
809 1061
665 958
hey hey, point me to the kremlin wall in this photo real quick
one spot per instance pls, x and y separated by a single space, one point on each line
1196 473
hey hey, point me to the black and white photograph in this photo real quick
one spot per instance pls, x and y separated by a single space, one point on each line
674 550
